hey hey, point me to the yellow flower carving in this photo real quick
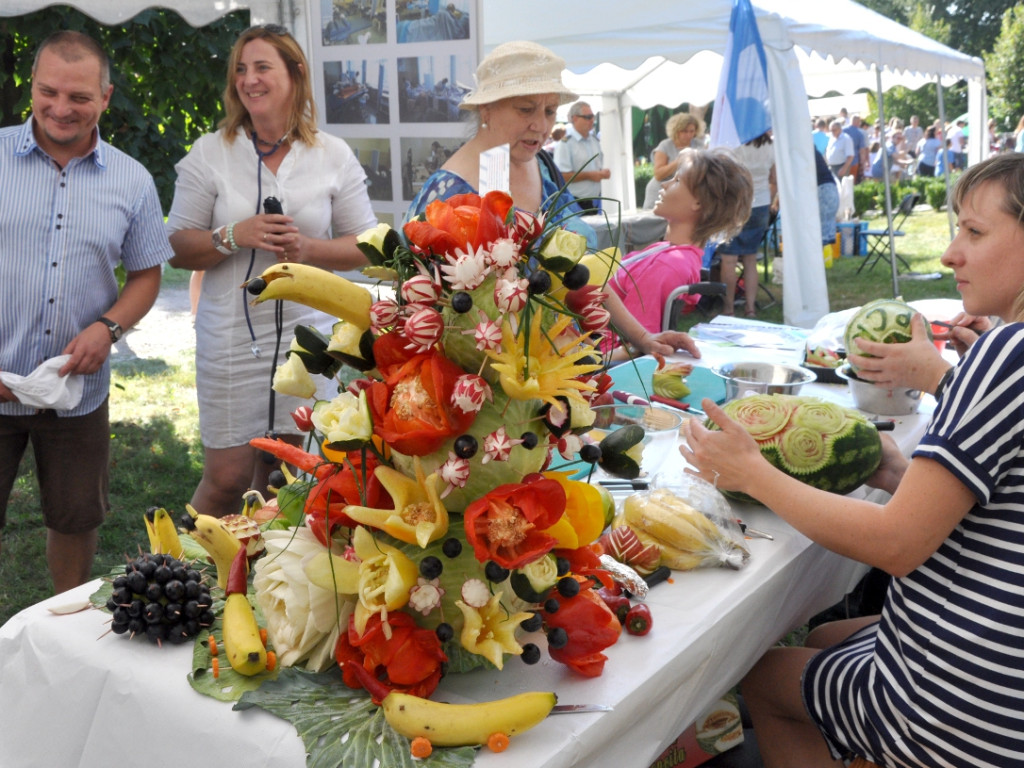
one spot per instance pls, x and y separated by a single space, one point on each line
418 517
490 631
542 364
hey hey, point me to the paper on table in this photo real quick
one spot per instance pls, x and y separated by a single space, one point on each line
751 333
494 169
43 388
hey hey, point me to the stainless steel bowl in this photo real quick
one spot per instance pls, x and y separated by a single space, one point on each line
882 401
762 378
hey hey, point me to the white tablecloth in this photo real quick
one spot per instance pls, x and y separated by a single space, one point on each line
70 696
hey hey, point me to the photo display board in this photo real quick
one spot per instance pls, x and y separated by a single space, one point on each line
388 77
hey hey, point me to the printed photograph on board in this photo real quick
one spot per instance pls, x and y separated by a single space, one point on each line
421 156
432 87
418 21
375 157
353 22
356 91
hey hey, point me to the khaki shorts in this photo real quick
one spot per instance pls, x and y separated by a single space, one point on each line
72 465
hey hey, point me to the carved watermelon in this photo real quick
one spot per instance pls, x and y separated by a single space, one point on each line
885 320
825 445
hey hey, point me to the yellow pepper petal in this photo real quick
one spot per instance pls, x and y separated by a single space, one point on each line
418 517
490 631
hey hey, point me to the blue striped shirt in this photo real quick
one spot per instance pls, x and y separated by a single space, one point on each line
62 234
942 683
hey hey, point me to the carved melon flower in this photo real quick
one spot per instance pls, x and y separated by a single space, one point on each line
303 619
542 364
344 421
490 631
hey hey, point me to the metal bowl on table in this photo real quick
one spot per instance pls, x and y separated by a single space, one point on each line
762 378
872 398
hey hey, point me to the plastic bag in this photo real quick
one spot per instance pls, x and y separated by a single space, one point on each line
690 520
826 339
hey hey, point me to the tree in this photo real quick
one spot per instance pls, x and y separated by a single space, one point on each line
977 22
1005 68
168 78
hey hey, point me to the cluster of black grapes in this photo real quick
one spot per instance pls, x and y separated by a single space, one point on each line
161 598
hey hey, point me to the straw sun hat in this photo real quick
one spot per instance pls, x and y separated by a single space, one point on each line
519 68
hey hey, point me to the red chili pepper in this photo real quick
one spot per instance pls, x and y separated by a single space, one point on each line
638 620
619 604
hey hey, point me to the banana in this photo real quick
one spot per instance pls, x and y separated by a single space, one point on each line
456 725
319 289
687 538
163 536
218 542
241 633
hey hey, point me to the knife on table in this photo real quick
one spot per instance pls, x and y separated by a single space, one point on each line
568 709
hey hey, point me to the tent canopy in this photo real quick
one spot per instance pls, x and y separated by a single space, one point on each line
198 13
810 48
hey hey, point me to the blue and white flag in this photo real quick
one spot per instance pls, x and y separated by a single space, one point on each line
741 109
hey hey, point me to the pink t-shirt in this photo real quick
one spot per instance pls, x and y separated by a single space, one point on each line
647 277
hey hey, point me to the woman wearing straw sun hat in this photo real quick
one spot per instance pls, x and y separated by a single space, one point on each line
519 89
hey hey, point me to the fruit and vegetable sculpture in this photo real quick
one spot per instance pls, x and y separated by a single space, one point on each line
883 320
825 445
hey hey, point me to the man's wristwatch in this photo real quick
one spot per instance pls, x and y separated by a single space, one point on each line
116 331
220 241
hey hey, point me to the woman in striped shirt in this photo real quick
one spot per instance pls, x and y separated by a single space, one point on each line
938 678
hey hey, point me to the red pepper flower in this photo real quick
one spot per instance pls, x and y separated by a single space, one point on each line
327 500
409 660
591 627
412 408
460 222
507 525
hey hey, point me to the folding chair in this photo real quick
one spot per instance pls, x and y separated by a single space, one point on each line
879 239
710 293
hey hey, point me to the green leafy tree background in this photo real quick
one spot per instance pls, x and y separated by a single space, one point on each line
168 79
1005 68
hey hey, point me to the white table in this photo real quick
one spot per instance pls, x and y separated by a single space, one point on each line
71 697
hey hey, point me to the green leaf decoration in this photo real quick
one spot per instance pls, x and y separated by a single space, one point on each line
341 727
228 685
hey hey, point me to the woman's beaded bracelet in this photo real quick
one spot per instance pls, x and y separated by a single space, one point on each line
943 382
229 235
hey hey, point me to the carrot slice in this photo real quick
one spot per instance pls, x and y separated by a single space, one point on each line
497 742
421 747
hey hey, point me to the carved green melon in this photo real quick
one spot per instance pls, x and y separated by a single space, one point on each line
884 320
825 445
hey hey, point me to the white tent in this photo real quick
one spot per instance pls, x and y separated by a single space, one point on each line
811 48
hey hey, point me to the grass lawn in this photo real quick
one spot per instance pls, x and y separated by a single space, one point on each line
157 460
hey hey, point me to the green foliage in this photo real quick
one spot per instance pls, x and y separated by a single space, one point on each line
168 78
976 22
1005 68
642 173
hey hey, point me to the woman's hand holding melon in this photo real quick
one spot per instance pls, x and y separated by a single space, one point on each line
916 364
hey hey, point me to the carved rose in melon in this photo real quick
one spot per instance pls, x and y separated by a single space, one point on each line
822 444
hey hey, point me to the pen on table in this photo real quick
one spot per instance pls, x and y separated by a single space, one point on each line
629 399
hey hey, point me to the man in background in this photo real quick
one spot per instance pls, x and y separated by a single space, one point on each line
74 209
579 154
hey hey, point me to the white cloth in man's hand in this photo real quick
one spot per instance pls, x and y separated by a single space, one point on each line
43 388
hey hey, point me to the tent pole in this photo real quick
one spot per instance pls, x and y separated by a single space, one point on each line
888 184
945 157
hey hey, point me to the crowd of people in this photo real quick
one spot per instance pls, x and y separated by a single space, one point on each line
936 679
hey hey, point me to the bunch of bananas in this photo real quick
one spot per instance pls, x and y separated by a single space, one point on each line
687 538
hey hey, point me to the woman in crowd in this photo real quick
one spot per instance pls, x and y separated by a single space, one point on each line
519 89
758 157
927 152
938 678
681 130
266 146
708 196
